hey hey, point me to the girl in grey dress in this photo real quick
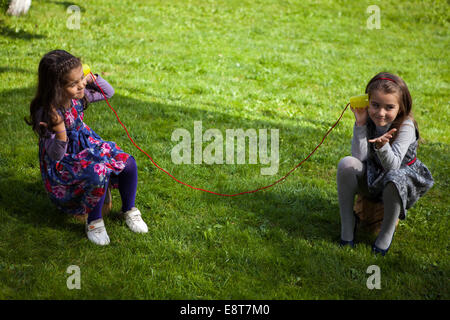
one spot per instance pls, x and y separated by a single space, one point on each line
383 165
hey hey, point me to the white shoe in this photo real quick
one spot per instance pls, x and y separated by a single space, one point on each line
134 221
96 232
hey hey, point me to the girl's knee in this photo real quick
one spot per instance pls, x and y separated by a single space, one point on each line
390 193
130 167
390 189
131 162
350 164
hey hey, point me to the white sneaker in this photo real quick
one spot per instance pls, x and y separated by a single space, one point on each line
134 221
96 232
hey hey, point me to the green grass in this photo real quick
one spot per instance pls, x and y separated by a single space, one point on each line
287 65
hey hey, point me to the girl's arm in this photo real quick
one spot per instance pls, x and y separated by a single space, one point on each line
359 142
391 157
60 128
93 93
55 148
56 140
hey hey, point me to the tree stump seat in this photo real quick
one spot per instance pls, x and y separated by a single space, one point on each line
369 214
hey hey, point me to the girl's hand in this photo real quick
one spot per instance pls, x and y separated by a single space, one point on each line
44 124
381 141
361 116
59 129
89 78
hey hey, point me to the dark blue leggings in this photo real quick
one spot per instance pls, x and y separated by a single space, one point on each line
127 190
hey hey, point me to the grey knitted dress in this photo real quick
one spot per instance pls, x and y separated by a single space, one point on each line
412 179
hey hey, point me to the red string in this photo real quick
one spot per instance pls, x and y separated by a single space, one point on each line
219 194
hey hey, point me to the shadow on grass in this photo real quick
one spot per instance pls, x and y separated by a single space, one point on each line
301 214
4 69
19 34
67 4
27 201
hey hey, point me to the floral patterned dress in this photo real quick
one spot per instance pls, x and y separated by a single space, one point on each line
78 181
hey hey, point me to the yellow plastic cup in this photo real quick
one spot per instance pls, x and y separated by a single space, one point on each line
359 102
86 70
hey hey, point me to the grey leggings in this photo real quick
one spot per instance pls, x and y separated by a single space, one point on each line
350 181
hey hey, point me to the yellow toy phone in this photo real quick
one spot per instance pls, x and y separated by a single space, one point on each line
86 70
359 102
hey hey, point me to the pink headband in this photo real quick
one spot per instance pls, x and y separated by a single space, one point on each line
387 79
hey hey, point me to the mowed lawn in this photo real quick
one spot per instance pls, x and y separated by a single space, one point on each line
284 65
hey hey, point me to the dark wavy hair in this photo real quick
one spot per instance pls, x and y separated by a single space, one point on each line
400 89
52 78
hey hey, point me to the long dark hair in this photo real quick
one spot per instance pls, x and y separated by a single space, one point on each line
53 69
399 88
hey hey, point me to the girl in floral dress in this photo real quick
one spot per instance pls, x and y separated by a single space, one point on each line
76 164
